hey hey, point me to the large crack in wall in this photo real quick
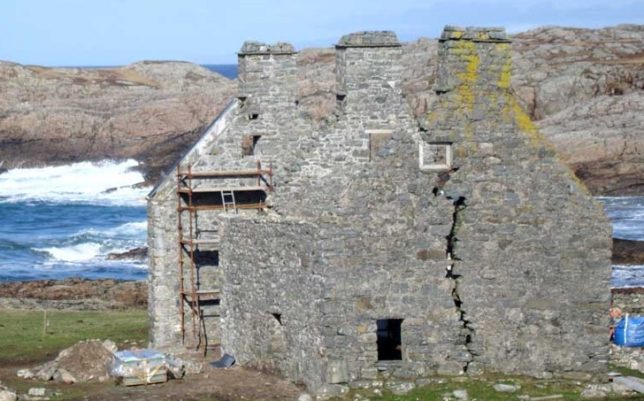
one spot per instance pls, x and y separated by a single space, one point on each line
452 256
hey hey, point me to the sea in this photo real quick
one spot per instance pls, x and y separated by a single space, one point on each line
65 221
227 70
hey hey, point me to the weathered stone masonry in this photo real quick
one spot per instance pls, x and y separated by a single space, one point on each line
463 228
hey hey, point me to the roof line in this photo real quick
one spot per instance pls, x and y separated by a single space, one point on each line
194 147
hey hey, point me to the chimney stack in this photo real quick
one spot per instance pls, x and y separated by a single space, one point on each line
267 77
476 58
367 68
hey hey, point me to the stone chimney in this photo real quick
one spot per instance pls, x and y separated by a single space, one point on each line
267 77
367 67
474 58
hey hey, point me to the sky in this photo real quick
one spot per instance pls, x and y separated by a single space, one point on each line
117 32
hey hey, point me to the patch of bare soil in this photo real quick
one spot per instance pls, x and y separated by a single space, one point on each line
213 385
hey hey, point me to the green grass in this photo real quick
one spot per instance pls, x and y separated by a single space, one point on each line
22 339
626 371
482 389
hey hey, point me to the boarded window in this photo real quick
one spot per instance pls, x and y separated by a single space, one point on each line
378 139
435 156
389 339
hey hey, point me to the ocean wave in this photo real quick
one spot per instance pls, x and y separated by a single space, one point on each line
627 216
106 182
628 276
135 229
73 253
89 247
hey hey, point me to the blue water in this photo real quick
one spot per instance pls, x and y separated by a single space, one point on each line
227 70
627 216
63 221
47 240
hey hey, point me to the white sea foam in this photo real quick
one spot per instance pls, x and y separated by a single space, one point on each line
106 182
628 276
627 216
135 229
73 253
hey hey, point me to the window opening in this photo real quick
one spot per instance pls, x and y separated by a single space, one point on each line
389 339
377 141
249 142
435 156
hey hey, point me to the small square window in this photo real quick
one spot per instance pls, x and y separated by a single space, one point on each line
249 143
378 139
435 155
389 339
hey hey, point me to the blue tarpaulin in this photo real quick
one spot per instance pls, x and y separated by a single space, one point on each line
629 331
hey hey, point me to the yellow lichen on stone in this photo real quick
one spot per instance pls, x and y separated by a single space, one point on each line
537 140
466 88
506 69
468 77
525 124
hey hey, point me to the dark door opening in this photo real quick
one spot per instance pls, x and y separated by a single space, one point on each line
389 340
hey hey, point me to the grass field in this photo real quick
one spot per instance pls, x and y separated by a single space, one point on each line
24 339
23 343
482 390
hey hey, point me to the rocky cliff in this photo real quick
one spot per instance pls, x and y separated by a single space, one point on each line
149 111
583 87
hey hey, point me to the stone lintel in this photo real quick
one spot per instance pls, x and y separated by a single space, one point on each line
258 48
475 34
369 39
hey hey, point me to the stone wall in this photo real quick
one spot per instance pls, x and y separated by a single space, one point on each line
273 303
465 226
163 246
532 247
628 300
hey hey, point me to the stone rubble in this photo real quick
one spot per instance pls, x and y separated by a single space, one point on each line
82 362
506 388
461 394
6 394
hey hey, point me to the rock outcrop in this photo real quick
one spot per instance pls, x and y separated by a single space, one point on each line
149 111
583 87
74 293
627 252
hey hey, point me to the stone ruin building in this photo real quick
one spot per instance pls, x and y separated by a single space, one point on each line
374 246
